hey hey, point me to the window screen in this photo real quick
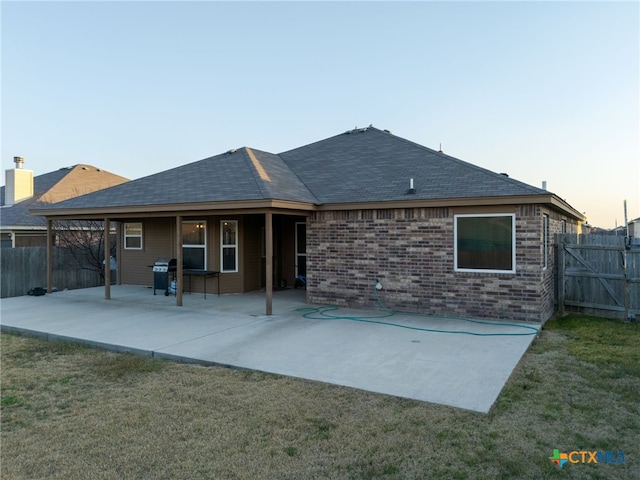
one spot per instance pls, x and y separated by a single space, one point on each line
485 243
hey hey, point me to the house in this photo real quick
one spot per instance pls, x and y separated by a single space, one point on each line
365 216
633 231
23 191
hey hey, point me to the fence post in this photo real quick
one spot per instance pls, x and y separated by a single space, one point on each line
627 284
561 267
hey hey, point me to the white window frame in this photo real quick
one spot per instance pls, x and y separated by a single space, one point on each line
484 270
223 246
203 246
141 236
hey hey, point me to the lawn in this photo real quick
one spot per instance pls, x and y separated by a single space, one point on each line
73 412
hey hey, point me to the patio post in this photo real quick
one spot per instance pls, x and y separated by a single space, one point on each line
107 259
179 261
49 255
268 220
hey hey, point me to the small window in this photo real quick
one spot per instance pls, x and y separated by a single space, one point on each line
133 236
194 244
545 241
229 246
485 243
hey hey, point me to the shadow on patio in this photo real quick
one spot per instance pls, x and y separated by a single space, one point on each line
250 303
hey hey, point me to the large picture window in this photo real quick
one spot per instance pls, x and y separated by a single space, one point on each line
194 244
229 245
485 243
133 236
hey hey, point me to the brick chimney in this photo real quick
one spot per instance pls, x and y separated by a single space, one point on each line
19 183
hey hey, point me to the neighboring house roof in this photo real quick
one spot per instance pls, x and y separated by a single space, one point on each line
54 187
362 165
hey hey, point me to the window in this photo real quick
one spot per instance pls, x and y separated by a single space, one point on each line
545 241
485 243
133 236
229 245
194 251
301 249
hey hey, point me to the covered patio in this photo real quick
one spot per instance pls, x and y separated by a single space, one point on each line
268 248
457 362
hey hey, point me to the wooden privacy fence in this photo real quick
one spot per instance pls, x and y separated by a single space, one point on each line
598 274
24 268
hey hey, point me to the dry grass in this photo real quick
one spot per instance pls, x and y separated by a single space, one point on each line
72 412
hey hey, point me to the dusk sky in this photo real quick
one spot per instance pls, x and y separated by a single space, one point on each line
544 91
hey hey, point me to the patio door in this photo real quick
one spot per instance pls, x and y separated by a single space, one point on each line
301 249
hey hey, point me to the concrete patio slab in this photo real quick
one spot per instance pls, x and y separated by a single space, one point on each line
453 362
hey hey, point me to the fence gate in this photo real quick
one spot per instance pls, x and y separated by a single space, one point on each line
599 275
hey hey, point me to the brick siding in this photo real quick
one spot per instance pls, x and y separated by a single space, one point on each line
411 252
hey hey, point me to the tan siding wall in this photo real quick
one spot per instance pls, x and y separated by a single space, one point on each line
288 254
251 246
158 241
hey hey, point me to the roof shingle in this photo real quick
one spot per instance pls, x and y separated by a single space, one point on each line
365 165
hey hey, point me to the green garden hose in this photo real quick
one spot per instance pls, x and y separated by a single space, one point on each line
324 313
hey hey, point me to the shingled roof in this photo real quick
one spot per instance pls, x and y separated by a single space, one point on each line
361 165
371 165
54 187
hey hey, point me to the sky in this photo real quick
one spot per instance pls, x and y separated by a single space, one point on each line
543 91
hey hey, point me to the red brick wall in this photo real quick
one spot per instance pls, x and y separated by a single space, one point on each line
411 252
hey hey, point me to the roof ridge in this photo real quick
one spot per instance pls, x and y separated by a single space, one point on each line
354 130
258 170
302 182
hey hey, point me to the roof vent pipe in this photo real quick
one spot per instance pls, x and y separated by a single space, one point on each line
19 161
544 184
411 190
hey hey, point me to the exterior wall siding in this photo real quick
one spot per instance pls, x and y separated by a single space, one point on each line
411 252
158 241
251 247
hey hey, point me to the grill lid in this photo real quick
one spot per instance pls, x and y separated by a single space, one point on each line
165 265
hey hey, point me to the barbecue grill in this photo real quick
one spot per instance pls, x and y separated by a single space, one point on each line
162 268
